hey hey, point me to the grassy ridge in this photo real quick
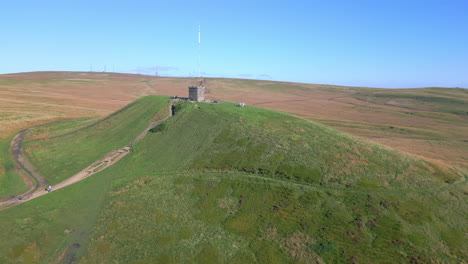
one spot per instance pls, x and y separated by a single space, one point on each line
223 137
220 184
73 150
236 218
273 216
55 227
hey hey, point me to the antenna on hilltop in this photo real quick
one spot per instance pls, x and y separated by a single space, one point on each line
199 72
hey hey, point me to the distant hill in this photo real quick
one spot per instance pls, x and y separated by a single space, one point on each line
428 122
220 184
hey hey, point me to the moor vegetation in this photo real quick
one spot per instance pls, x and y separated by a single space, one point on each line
221 184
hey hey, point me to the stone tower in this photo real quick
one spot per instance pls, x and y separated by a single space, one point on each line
197 93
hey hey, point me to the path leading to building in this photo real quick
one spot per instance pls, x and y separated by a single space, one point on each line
38 188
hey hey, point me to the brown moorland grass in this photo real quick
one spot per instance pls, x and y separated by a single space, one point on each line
403 119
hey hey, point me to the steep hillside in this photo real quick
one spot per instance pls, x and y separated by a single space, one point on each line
72 145
254 140
221 184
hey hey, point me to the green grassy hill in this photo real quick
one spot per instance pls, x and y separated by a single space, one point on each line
221 184
66 147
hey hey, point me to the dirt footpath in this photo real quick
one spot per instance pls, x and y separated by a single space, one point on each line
33 179
39 188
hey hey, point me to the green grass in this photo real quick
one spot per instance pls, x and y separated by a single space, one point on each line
11 182
396 131
41 230
446 100
227 217
220 184
275 145
73 146
224 138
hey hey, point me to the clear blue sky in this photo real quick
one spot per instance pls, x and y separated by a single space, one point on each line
398 43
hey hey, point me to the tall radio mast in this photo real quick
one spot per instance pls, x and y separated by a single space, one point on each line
199 71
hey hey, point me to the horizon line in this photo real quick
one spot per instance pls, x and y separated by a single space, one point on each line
235 78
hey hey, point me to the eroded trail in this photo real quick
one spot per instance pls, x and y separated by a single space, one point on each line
38 188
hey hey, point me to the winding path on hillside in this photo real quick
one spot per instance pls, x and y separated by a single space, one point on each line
38 188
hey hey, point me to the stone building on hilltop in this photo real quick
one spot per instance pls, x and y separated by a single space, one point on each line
197 93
